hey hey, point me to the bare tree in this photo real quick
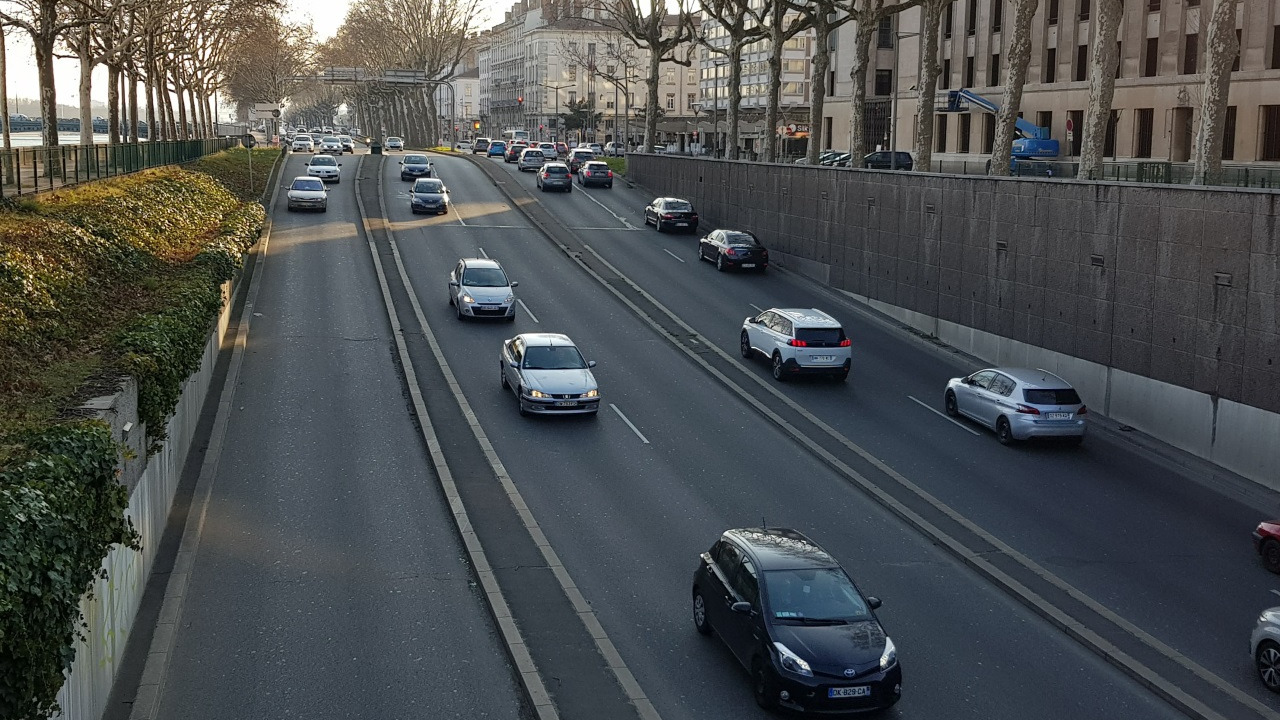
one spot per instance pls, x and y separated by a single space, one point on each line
1019 50
4 106
867 16
1221 49
615 64
742 27
931 11
46 21
1102 87
825 17
782 24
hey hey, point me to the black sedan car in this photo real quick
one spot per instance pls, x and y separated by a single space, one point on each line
595 172
795 620
733 249
671 213
885 160
429 195
413 167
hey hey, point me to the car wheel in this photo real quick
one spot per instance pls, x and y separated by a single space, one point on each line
1004 433
700 620
458 309
569 189
520 401
290 208
1267 661
324 209
720 262
762 686
841 376
502 372
657 223
779 373
610 186
949 402
744 345
1271 555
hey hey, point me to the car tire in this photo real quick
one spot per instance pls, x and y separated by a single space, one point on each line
1267 663
520 402
720 262
762 686
950 404
324 209
502 373
569 189
458 309
609 186
841 376
1004 431
744 345
779 372
289 209
701 622
657 224
1271 555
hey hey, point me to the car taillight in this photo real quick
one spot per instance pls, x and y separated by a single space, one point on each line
1027 410
797 343
730 252
846 342
610 173
1082 411
668 216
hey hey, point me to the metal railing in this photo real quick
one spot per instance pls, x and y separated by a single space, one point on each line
26 170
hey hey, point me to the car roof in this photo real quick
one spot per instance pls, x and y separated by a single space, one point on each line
532 150
546 339
808 317
305 177
416 155
1036 379
323 155
781 548
555 165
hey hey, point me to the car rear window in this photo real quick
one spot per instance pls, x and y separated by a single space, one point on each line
821 337
1062 396
678 206
532 153
741 240
557 171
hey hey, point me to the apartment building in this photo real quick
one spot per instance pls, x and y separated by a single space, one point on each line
1157 104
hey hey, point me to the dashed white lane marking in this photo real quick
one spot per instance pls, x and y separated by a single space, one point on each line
611 229
634 429
483 254
527 311
757 307
943 415
672 254
621 219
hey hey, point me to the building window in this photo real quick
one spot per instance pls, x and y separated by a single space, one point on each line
1193 3
1189 50
1050 65
1151 62
1084 9
966 124
940 134
671 101
1235 65
971 19
1229 134
1275 48
949 21
1109 140
1153 5
1270 132
884 33
1143 129
988 133
944 79
831 83
1077 130
1082 63
1044 119
1053 12
968 72
608 104
884 82
573 96
997 14
994 80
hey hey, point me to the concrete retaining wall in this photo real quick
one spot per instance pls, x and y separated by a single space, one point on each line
152 481
1159 302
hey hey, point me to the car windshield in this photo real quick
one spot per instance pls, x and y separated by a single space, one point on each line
553 357
484 277
678 206
308 184
428 186
393 140
814 595
415 159
322 160
329 140
1061 396
741 239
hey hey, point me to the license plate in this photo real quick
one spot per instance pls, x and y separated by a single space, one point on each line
822 358
747 265
566 403
1058 416
844 692
684 224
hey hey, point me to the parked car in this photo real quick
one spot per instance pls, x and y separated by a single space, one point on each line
733 249
614 149
464 146
1264 646
1018 404
797 622
348 143
308 193
481 145
676 213
415 166
497 148
821 156
514 150
579 155
656 149
837 160
302 143
330 144
595 172
530 159
480 288
325 167
428 195
548 375
394 143
555 176
1266 540
798 341
885 160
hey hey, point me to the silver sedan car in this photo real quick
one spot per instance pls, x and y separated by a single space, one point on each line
479 287
548 375
1018 404
1264 645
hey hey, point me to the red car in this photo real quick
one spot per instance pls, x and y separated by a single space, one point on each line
1266 540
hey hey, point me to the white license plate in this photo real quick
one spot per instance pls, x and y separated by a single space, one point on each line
684 224
840 692
823 358
1058 416
566 403
747 265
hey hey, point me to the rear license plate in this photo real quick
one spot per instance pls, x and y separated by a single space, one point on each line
747 265
1058 415
566 403
682 224
823 358
844 692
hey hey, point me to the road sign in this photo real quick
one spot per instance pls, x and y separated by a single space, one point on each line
267 107
1070 127
1071 136
268 114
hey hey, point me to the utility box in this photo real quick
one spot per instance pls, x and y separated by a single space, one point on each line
375 148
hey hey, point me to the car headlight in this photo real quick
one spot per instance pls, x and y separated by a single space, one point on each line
510 298
466 298
591 394
889 656
538 394
792 662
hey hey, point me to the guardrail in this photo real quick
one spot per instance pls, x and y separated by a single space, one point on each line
25 170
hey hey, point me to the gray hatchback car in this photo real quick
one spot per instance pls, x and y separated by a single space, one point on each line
555 176
1018 404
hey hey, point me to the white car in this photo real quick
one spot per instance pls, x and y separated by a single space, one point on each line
395 143
348 143
325 167
548 149
548 375
798 341
479 287
596 148
302 143
308 193
464 146
614 149
331 144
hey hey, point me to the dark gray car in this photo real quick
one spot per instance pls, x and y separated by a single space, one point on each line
415 166
555 176
429 195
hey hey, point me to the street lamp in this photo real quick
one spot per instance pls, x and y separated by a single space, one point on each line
893 112
715 115
558 88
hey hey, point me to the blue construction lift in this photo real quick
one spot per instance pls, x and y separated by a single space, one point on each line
1034 141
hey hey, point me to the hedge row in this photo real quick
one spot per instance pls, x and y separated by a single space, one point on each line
105 279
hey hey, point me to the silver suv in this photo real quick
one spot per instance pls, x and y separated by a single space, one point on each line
1018 404
798 341
479 287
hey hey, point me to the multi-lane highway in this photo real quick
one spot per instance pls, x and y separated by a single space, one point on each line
1113 580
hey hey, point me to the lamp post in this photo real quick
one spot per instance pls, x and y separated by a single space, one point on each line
715 114
893 112
557 88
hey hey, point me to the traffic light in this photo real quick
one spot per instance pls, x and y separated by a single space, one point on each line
542 127
520 100
455 128
475 125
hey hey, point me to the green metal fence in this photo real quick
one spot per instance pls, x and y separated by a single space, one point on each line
34 169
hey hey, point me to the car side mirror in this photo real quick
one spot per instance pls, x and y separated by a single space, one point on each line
515 283
513 363
453 283
339 164
754 320
966 381
873 602
591 363
742 607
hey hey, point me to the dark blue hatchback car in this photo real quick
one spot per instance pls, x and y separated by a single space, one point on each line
795 620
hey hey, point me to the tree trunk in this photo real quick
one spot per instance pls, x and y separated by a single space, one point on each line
149 86
48 91
818 93
733 110
927 83
775 85
178 92
858 100
113 104
86 86
1221 49
651 100
1019 51
1102 86
4 112
135 128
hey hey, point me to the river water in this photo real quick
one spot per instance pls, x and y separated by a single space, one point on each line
33 139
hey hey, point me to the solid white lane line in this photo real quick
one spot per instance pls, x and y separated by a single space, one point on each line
483 254
527 311
457 214
672 254
757 307
634 429
944 416
621 219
